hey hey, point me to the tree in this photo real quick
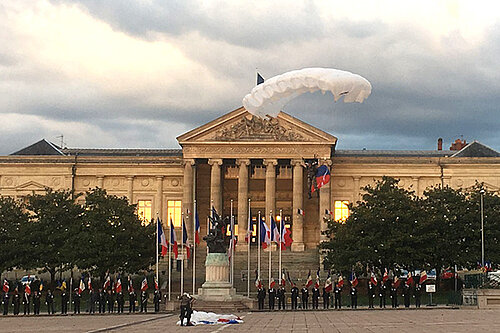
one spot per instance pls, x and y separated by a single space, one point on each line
13 224
113 237
53 232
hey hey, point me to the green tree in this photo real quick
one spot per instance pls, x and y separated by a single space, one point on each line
13 224
113 237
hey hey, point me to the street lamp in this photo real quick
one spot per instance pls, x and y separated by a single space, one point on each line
482 228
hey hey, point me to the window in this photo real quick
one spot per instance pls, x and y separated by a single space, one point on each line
341 212
144 211
228 231
174 210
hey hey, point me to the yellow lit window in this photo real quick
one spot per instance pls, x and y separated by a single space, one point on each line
144 211
228 231
341 212
174 209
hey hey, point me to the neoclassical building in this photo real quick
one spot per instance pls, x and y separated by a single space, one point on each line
253 165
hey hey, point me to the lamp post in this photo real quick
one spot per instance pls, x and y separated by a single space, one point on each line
482 228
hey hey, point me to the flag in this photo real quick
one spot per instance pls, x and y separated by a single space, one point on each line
423 277
89 283
215 216
260 79
258 283
196 227
232 241
316 285
409 280
275 235
289 279
272 283
144 284
62 285
448 274
248 235
41 285
373 279
185 239
328 212
130 285
173 241
81 287
322 177
27 288
301 212
107 282
265 234
156 284
118 286
386 276
328 283
396 282
340 283
286 239
162 240
309 280
283 280
353 279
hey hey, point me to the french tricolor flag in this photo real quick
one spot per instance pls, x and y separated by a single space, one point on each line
173 241
162 240
185 240
144 284
265 235
275 234
196 227
322 177
118 286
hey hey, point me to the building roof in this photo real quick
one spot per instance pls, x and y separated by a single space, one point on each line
476 149
121 152
393 153
42 147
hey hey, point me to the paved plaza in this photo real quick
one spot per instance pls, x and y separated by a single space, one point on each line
424 320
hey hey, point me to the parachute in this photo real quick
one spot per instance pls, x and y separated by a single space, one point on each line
269 98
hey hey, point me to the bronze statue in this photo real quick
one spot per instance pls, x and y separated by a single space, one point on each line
216 239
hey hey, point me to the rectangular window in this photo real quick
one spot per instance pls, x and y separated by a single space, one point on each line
228 231
341 212
144 211
174 210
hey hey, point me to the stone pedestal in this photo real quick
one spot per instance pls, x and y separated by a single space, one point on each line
217 286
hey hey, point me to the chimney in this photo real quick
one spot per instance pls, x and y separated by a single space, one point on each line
440 144
458 144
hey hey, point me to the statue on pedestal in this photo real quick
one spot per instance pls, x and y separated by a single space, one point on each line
216 239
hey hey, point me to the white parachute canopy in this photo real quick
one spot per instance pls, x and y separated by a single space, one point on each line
269 98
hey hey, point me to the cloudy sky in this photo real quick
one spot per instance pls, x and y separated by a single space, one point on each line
119 73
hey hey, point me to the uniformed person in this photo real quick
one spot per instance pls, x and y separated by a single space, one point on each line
281 298
394 296
272 297
110 300
36 302
64 302
338 296
186 309
76 301
132 298
157 300
144 301
371 294
92 301
16 301
417 294
295 296
120 301
406 295
102 301
354 297
5 302
49 300
261 296
305 297
315 298
26 302
326 299
382 288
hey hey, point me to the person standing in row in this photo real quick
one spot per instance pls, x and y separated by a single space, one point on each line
76 301
261 296
354 297
16 301
26 300
49 300
110 299
326 298
64 302
371 294
5 302
157 300
418 292
272 297
394 296
120 301
338 296
281 298
132 298
406 295
92 301
144 301
382 293
315 298
305 297
295 296
36 302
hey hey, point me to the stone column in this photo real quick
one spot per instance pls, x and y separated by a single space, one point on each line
242 203
215 184
356 197
416 185
159 198
298 202
130 189
324 203
100 181
187 196
270 187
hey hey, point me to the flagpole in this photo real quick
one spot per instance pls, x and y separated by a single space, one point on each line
248 252
157 243
258 247
169 258
281 240
194 245
231 247
211 213
270 247
182 258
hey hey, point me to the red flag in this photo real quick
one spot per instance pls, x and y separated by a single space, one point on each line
423 277
81 287
309 280
6 286
328 283
27 289
373 279
386 276
107 282
396 282
118 286
322 177
272 283
144 284
340 283
409 280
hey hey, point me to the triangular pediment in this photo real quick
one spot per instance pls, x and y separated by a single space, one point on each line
240 126
31 186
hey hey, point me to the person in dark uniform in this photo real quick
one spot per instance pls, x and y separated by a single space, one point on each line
371 294
295 296
144 301
49 300
110 299
305 297
120 301
315 298
272 297
132 298
281 298
26 302
417 294
5 302
338 296
157 300
92 300
16 301
406 295
64 302
261 296
77 297
186 309
382 288
102 301
394 296
326 299
36 302
354 297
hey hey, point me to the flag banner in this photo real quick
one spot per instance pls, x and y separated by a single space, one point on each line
265 234
173 241
328 212
396 282
328 283
309 280
283 280
6 286
317 279
81 287
340 282
274 231
409 280
301 212
373 279
289 279
89 283
322 177
130 285
353 279
197 227
272 283
118 286
386 276
232 241
258 282
156 284
423 277
162 240
286 237
185 240
248 235
215 216
27 288
107 282
144 284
